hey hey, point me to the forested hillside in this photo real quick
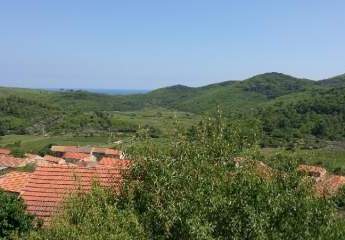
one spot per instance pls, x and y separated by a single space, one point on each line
321 115
289 108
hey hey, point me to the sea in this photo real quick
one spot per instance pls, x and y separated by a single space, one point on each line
105 91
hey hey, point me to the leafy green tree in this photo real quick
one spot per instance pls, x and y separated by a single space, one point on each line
13 217
18 152
207 184
93 216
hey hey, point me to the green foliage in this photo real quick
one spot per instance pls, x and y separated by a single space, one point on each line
339 198
192 189
13 218
321 115
18 152
332 158
93 216
46 150
292 108
274 85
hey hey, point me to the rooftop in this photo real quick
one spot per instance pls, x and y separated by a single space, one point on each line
76 155
14 181
10 161
48 186
115 162
5 151
52 159
76 149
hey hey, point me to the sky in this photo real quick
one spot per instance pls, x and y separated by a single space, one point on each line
136 44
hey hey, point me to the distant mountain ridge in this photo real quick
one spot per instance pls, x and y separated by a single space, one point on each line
232 96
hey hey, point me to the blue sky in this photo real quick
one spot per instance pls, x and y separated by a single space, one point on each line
154 43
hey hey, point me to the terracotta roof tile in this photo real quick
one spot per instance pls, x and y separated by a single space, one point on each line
106 151
10 161
34 157
115 162
5 151
330 185
76 149
49 185
14 181
52 159
77 156
318 173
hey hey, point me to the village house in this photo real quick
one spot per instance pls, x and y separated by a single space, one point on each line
72 169
112 162
94 152
48 186
14 182
75 157
5 151
48 159
316 172
8 161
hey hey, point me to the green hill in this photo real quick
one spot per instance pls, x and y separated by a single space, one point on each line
231 95
274 85
32 110
337 81
319 114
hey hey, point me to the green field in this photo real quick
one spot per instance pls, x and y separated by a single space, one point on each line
30 143
163 121
332 159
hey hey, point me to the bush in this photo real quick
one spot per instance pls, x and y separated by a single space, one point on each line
13 218
46 150
17 152
93 216
193 190
339 198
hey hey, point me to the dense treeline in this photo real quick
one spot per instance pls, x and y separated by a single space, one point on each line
321 115
21 115
26 116
274 85
291 109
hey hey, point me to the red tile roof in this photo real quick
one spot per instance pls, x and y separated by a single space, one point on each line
76 149
313 171
77 156
106 151
5 151
48 185
55 160
115 162
14 181
330 185
71 149
10 161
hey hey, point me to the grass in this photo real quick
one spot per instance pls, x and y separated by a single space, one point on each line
333 159
159 118
163 119
31 143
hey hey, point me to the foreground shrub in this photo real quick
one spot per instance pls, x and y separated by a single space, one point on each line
193 190
13 218
92 216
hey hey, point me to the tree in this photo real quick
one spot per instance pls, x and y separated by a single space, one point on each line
13 217
193 189
93 216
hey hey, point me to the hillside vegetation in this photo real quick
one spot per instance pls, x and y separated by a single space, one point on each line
289 108
192 189
321 115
